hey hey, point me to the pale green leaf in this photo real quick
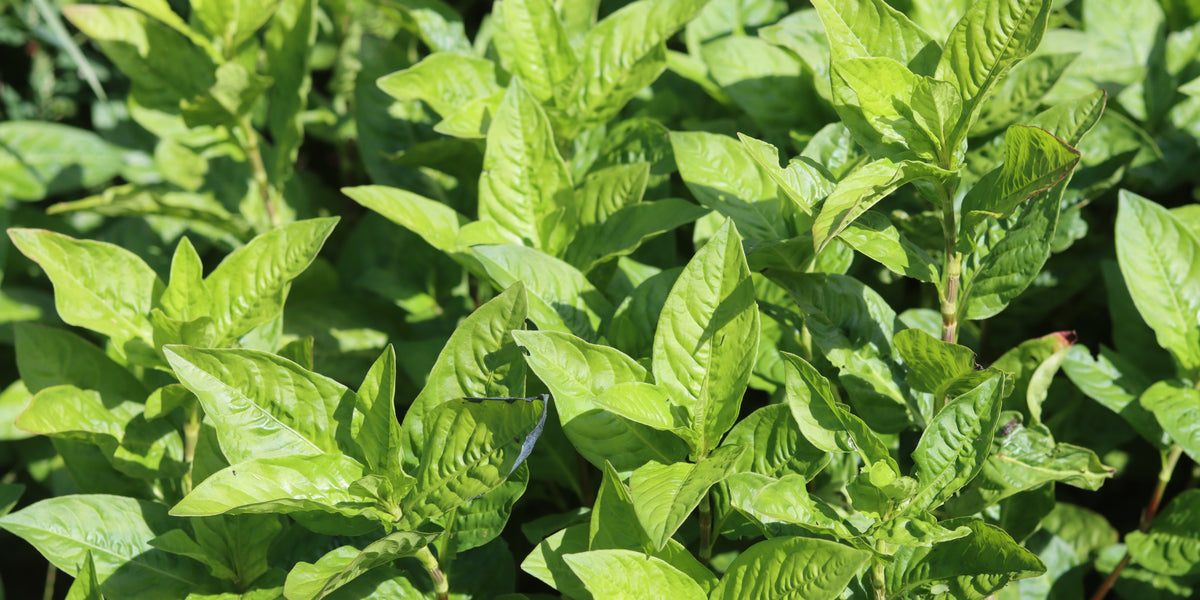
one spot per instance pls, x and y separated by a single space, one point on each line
249 287
707 338
775 445
577 374
955 446
443 80
1175 405
560 297
479 360
623 574
985 44
873 28
99 286
64 530
265 406
312 581
525 186
792 568
862 189
665 495
1172 544
40 159
284 484
968 568
1160 260
536 48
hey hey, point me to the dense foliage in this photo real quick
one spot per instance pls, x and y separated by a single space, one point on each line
693 299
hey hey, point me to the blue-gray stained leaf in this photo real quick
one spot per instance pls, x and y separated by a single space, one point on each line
479 360
577 374
469 449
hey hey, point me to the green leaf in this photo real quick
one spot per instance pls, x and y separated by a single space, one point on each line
1160 261
625 230
471 448
604 190
1034 160
1116 385
853 327
791 568
763 81
621 574
231 97
624 53
312 581
282 484
1024 459
232 22
560 297
47 357
535 48
155 57
133 446
968 568
873 235
665 495
436 223
375 426
825 423
614 521
1021 91
445 81
1172 544
633 326
40 159
772 502
525 186
864 29
985 44
479 360
775 445
99 286
802 182
288 41
933 364
893 112
186 297
265 406
64 530
13 401
954 447
917 529
707 338
85 586
577 374
862 189
1173 404
240 544
725 178
249 287
647 404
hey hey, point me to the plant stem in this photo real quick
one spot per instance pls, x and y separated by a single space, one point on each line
878 580
953 268
440 587
191 435
258 169
1170 459
706 528
51 575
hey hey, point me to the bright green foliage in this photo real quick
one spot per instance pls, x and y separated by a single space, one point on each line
392 299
